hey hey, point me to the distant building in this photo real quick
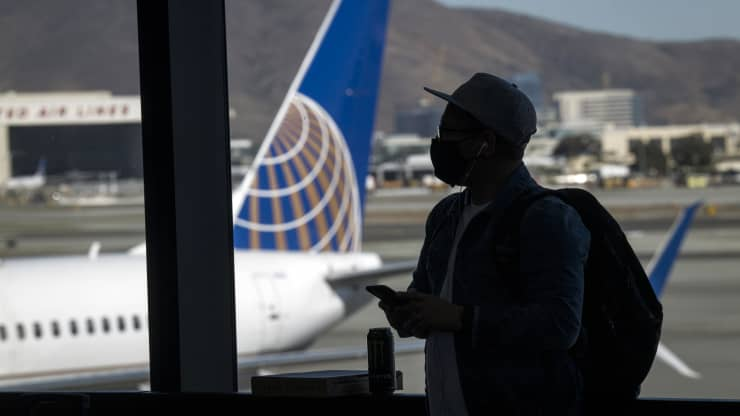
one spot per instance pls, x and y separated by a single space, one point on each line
73 131
531 85
597 108
397 147
652 148
422 120
401 160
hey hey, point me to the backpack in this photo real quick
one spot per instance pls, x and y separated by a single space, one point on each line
622 317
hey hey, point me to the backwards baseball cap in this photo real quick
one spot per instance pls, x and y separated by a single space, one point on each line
496 104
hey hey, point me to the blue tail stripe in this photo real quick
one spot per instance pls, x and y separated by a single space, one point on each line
267 241
287 204
241 238
662 266
291 238
265 207
313 231
345 75
334 244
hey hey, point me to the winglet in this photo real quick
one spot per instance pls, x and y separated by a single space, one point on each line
676 363
660 265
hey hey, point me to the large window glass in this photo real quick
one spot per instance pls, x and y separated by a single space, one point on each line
71 188
331 171
626 99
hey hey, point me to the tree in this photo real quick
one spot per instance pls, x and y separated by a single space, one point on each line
692 152
649 157
578 145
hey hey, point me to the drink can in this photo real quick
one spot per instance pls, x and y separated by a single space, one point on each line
380 361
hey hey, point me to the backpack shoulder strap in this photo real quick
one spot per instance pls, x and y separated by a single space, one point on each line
506 249
511 220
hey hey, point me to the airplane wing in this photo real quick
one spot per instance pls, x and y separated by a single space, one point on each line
369 276
109 379
659 270
659 267
676 363
128 378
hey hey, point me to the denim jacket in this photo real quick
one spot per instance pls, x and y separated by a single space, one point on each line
512 352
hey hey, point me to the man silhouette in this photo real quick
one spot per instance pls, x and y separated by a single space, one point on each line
497 341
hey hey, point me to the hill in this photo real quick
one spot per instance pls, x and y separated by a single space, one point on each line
85 44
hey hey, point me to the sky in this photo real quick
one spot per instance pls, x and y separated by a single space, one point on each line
665 20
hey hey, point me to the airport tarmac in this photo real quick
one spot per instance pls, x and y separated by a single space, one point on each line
701 301
701 325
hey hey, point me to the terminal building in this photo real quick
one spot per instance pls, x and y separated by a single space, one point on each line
635 145
73 131
81 132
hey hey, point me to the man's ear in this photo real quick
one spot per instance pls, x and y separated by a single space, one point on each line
490 149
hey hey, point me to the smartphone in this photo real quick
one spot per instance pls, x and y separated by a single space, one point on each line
384 293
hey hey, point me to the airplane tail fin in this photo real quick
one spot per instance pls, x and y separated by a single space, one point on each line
306 188
41 168
660 265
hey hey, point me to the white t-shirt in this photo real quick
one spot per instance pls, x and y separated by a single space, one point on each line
443 383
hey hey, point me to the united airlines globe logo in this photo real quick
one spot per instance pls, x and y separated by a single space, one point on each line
303 195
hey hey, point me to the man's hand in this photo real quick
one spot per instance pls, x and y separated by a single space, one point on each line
419 314
395 317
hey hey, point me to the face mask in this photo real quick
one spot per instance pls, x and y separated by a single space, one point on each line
449 165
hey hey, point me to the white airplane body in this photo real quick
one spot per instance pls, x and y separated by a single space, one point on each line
27 183
78 314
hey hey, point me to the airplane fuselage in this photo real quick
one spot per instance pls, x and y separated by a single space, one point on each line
24 183
72 314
